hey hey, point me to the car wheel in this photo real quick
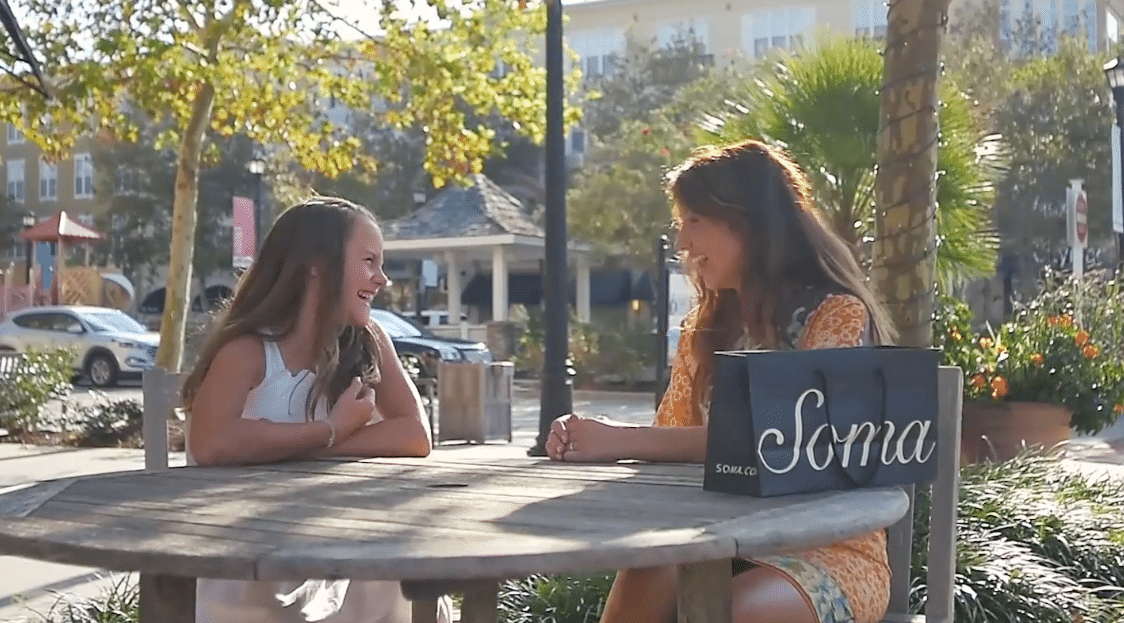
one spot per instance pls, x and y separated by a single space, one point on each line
101 369
414 366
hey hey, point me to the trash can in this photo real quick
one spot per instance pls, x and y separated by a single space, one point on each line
474 401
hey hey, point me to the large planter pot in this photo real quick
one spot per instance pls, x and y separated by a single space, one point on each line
998 431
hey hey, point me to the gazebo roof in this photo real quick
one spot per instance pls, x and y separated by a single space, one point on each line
479 209
59 227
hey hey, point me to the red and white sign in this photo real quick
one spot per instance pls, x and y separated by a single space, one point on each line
1081 218
243 235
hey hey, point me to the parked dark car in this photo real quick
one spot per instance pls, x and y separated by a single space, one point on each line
421 351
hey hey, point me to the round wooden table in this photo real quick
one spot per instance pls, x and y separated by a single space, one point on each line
425 521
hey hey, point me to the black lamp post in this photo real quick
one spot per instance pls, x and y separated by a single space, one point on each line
557 385
1114 72
257 168
28 222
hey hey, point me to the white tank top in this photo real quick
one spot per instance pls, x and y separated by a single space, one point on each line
282 397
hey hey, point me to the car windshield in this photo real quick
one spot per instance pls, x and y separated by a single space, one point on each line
105 322
397 326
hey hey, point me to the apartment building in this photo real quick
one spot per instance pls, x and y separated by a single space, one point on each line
37 186
739 31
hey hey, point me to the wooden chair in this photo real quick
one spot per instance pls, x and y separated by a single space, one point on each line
942 517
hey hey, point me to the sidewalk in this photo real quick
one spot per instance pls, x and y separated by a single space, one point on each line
29 586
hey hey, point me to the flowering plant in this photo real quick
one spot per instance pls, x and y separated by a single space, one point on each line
1039 356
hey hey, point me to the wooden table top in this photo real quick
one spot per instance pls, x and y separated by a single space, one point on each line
416 519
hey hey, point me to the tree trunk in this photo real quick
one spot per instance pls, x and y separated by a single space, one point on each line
178 287
904 254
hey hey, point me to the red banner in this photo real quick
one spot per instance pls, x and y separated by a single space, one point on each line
244 238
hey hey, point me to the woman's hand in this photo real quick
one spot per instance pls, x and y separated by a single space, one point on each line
578 439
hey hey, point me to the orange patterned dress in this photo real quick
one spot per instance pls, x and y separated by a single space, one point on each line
848 582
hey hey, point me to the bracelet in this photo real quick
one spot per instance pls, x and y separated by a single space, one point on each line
331 433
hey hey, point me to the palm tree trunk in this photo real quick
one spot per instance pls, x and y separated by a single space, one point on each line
174 320
904 254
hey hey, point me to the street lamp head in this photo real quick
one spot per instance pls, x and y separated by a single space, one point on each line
1114 72
256 166
28 219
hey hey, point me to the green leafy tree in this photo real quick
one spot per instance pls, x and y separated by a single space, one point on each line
264 68
641 122
1057 118
822 107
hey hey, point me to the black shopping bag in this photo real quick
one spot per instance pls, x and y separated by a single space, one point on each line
785 422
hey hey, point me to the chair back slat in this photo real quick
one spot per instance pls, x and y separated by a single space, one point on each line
942 518
161 391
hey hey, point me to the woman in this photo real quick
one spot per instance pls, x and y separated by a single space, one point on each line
770 274
296 368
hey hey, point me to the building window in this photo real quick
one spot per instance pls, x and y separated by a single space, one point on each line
1111 27
1091 31
48 181
598 52
16 180
15 135
869 18
776 28
83 176
577 141
1071 19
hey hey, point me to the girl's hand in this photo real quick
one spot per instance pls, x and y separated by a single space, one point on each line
578 439
353 410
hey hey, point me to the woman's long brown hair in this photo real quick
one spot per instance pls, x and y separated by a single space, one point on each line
762 195
268 296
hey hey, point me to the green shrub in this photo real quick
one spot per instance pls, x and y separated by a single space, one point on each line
554 599
106 421
42 375
1035 542
119 602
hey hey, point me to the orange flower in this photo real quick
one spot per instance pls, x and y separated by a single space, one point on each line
979 381
985 342
1089 351
1036 359
1119 408
1053 320
998 387
956 337
1082 338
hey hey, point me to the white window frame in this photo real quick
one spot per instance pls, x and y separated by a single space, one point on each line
596 49
787 28
83 176
16 173
48 181
1111 27
15 135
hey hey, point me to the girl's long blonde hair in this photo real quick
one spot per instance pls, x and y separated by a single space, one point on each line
268 297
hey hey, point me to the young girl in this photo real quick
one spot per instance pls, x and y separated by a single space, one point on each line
770 274
296 369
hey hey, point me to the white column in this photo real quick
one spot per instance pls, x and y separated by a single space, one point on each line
582 284
453 288
499 284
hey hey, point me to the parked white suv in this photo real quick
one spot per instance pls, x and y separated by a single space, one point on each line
109 344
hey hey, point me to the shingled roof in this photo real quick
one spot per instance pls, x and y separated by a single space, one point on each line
480 209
